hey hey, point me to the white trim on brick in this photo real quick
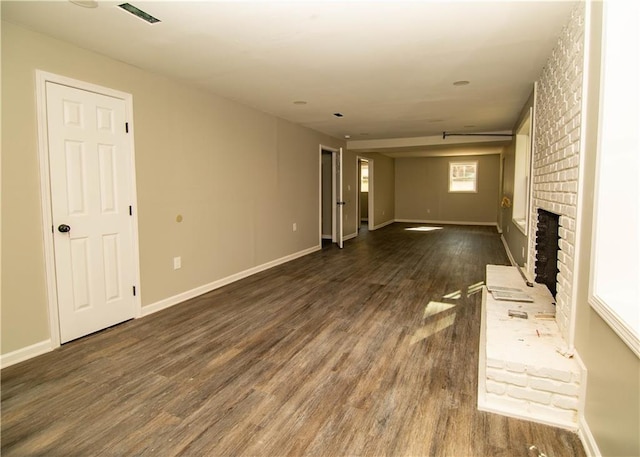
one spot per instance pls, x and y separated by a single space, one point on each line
557 156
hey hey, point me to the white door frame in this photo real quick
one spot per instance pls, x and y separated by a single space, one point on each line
339 202
334 197
42 78
372 186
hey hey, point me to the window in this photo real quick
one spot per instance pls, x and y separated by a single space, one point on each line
615 262
521 182
463 176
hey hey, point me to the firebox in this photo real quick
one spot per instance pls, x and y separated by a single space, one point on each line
547 247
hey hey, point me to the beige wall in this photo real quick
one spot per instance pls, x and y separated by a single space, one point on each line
422 190
515 238
612 408
240 179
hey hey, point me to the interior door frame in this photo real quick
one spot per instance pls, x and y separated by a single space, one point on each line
42 78
334 193
370 211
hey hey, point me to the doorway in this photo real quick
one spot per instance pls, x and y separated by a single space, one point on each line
331 197
88 194
363 192
365 199
326 205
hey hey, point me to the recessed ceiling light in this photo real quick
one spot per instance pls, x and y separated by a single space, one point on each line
85 3
139 13
300 102
338 114
461 83
346 137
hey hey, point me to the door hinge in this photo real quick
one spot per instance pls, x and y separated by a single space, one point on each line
126 127
134 291
130 211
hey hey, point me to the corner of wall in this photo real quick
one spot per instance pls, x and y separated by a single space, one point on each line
587 439
584 432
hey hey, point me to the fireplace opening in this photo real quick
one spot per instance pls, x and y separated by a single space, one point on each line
547 248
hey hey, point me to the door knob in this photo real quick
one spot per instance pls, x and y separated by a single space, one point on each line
64 228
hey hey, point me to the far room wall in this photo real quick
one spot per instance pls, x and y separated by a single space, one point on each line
422 191
381 182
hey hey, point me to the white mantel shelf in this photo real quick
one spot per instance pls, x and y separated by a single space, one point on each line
522 372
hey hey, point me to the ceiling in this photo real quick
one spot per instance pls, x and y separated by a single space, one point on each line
387 66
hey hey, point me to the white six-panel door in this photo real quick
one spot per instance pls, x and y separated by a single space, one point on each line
90 177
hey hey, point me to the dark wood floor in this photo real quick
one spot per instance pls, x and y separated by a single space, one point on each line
334 354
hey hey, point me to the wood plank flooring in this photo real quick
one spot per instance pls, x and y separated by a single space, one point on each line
338 353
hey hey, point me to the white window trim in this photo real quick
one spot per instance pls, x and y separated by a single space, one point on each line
610 312
475 183
523 197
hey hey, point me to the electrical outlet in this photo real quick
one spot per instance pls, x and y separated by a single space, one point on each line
523 251
295 226
428 211
177 263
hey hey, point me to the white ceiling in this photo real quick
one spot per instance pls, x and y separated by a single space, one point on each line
388 66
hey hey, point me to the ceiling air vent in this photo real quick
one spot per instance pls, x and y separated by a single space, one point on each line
138 12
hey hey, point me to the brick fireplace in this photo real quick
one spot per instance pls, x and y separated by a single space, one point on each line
546 242
557 127
527 367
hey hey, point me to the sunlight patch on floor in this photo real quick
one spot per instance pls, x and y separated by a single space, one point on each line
435 307
471 290
423 229
475 288
453 295
432 328
436 321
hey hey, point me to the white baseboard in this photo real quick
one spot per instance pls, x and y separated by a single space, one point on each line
179 298
425 221
587 439
384 224
509 254
327 237
25 353
584 432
